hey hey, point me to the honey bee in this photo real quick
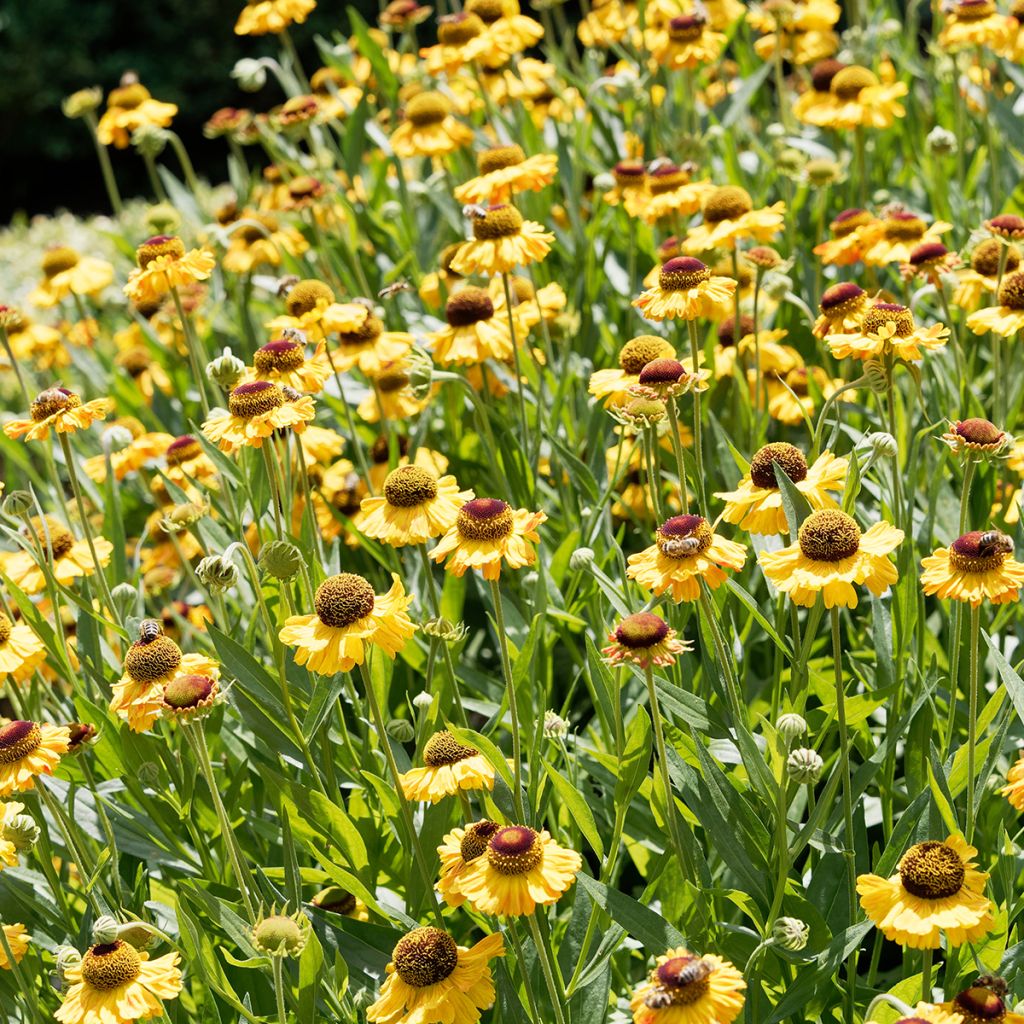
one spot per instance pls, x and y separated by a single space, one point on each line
149 630
658 999
698 970
677 547
473 210
393 289
993 542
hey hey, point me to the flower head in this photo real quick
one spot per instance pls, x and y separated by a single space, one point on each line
502 239
165 265
61 410
686 289
685 988
644 639
255 411
449 767
977 566
28 749
414 507
486 534
460 848
887 328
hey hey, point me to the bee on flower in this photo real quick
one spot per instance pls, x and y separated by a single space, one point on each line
686 987
978 566
502 240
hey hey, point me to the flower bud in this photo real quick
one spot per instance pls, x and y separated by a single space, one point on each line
18 504
777 286
126 602
104 931
67 957
804 765
581 559
790 933
422 700
280 934
401 730
226 370
442 629
420 372
137 934
883 445
280 559
182 516
217 573
163 219
941 141
83 102
115 438
250 74
150 140
21 831
877 379
555 727
791 726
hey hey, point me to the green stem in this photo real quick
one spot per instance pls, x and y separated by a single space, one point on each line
513 704
698 451
972 717
558 1000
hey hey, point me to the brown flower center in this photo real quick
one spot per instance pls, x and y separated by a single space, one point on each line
255 399
638 352
1006 225
159 245
457 29
932 871
52 401
1011 292
501 221
485 519
629 174
848 221
489 11
682 273
468 306
497 158
108 967
684 536
59 259
667 178
662 371
343 599
182 449
427 108
986 255
279 356
974 10
687 28
789 458
829 536
823 72
443 748
17 740
409 486
839 298
476 839
425 957
979 431
514 850
928 253
641 631
729 202
979 1005
848 82
151 659
882 314
980 551
684 979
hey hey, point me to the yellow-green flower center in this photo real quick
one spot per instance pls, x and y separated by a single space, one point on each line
5 629
427 108
501 221
409 486
903 227
932 871
476 839
848 82
53 536
110 966
638 352
278 934
456 29
986 255
728 202
497 158
1011 292
59 259
306 295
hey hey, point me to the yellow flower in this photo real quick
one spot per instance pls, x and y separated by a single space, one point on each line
789 395
630 184
60 409
164 264
508 29
501 240
28 749
284 362
897 235
851 231
256 410
613 384
1007 318
432 980
982 275
686 289
9 811
21 651
116 984
842 309
860 99
644 639
369 347
829 557
607 23
982 1001
976 567
67 273
429 129
975 23
936 891
393 397
311 308
929 1013
129 108
188 465
414 507
686 41
449 768
505 170
486 533
348 618
257 240
686 550
888 328
18 939
459 848
1014 788
729 217
260 17
669 194
335 900
520 870
685 988
756 504
71 559
474 333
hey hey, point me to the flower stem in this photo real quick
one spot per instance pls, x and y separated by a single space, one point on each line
278 966
698 451
972 716
547 969
513 704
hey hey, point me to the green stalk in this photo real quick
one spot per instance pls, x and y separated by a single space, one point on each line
513 704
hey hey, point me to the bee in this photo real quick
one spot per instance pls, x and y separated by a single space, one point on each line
993 542
290 394
693 972
474 210
677 547
658 999
149 630
393 289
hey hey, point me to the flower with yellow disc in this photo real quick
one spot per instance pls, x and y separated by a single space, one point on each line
502 239
486 534
29 749
685 988
449 767
163 265
65 273
61 410
414 507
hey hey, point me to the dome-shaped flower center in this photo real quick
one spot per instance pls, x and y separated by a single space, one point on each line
687 28
497 158
134 361
501 221
684 979
848 83
476 839
306 296
639 351
390 381
58 259
883 314
641 630
468 306
986 255
980 551
666 178
17 740
928 252
110 966
335 900
514 850
629 173
456 29
789 458
278 934
128 97
823 72
150 659
52 535
841 297
5 629
485 519
979 1004
974 10
1011 292
903 226
188 691
52 401
979 431
298 109
425 956
728 202
427 108
364 335
684 536
829 536
343 599
278 356
409 486
443 748
1006 225
159 245
682 273
662 371
182 449
489 11
727 333
848 221
255 399
932 871
522 290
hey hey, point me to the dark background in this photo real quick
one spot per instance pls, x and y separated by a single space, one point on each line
183 52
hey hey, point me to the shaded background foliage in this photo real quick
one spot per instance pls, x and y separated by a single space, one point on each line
180 49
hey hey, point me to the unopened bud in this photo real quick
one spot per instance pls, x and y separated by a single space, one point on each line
883 445
226 370
555 727
150 140
250 74
280 559
21 831
442 629
104 931
400 729
804 765
83 102
581 559
790 933
791 726
18 504
217 573
163 219
422 700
